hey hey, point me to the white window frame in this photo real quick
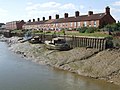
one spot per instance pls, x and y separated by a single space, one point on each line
75 24
95 23
78 24
85 24
71 24
66 24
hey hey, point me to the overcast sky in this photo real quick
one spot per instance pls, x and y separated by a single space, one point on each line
12 10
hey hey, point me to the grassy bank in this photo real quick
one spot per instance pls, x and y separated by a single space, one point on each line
76 33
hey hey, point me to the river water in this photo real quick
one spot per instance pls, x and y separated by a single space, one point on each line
17 73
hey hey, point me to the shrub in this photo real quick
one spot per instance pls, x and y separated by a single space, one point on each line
62 31
109 44
117 45
91 30
109 38
82 30
113 27
48 31
97 30
40 31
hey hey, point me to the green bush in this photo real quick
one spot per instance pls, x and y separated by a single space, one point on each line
62 31
109 44
48 31
82 30
97 30
109 38
90 30
87 29
37 31
117 45
112 27
40 31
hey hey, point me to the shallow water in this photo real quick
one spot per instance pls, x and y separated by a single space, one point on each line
17 73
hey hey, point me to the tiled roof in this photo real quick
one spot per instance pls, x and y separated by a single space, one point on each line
62 20
49 21
91 17
36 23
70 19
80 18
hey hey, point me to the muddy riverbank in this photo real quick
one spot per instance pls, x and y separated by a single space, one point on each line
83 61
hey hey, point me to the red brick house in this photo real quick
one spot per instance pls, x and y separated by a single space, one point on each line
14 25
77 21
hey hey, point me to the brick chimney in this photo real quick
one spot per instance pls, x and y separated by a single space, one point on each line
66 15
29 20
43 18
38 19
90 13
33 20
77 14
57 16
107 10
50 17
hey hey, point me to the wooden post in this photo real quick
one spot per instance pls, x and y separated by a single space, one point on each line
80 41
84 42
94 42
91 43
87 42
99 44
104 45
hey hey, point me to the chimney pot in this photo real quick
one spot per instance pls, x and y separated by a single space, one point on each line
77 14
33 20
107 10
50 17
29 20
38 19
57 16
90 13
66 15
43 18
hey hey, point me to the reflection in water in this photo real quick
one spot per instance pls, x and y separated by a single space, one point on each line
19 74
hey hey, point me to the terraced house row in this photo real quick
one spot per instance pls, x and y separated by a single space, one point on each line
14 25
71 23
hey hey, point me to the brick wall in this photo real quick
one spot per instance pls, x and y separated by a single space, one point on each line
14 25
108 19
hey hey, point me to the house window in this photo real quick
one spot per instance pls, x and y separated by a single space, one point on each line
78 24
66 24
74 24
71 24
90 23
62 24
85 24
56 25
94 23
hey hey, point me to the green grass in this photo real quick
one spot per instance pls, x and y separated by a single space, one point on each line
72 33
75 33
96 34
16 31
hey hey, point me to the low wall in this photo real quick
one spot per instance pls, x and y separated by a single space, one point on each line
80 41
92 42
